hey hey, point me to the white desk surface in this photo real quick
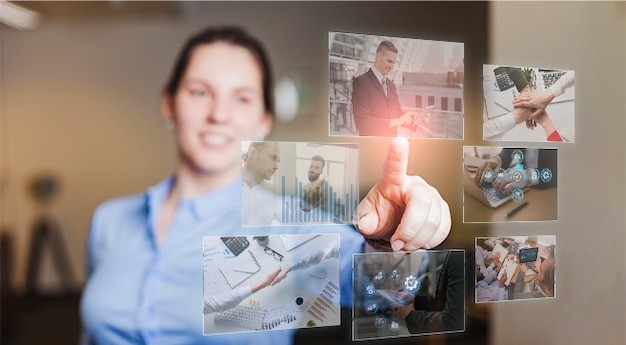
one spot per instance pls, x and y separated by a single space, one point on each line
278 299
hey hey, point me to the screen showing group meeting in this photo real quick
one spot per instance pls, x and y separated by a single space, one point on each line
512 268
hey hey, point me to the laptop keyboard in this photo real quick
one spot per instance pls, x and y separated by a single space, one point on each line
249 317
492 194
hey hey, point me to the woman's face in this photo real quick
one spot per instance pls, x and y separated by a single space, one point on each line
219 103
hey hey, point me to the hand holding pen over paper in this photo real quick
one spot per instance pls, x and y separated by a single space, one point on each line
404 210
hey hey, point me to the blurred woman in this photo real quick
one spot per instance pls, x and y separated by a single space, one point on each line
145 251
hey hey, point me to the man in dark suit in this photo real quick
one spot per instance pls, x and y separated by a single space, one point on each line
445 311
375 104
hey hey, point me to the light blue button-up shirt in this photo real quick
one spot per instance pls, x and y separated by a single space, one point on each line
142 292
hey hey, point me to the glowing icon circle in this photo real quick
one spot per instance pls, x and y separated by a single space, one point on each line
369 290
546 175
379 277
517 176
394 325
534 176
371 308
517 194
394 274
488 175
411 283
501 172
500 175
380 321
517 156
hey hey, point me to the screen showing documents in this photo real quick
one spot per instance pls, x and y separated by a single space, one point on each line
276 282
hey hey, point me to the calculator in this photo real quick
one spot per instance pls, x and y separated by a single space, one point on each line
236 244
503 79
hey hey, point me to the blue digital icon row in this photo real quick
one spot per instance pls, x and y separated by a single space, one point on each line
380 321
411 282
517 177
380 276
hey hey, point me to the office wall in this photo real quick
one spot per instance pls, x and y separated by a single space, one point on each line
81 97
76 105
590 261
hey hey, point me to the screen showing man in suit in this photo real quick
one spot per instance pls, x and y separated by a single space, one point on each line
391 86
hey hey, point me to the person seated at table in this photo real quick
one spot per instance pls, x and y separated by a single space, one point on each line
545 279
531 242
483 254
488 288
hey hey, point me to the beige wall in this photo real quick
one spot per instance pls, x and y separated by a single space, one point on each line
589 38
76 105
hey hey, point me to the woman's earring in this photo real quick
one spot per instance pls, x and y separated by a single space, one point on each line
169 124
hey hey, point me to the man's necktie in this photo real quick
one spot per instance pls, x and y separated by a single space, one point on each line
384 84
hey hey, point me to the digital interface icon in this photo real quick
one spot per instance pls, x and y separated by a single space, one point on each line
488 175
371 308
546 175
517 194
517 157
369 290
411 283
394 274
517 176
534 176
380 321
500 173
394 325
379 277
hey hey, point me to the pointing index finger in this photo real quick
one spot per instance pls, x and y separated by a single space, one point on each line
396 162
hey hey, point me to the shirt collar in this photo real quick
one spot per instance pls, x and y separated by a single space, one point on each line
263 184
200 206
378 75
